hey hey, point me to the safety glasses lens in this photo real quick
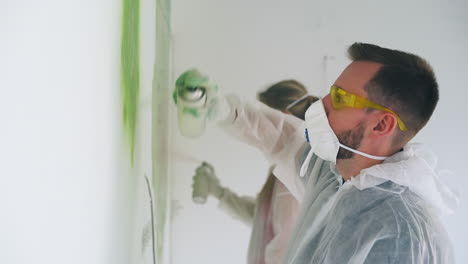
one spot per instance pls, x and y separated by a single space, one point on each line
338 100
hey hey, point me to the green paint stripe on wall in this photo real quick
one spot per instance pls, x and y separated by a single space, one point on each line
130 69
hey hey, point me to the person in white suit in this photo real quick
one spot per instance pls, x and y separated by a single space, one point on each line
367 194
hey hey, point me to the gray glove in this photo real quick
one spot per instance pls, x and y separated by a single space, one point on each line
205 183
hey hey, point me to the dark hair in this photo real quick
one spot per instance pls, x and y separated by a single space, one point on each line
283 93
405 83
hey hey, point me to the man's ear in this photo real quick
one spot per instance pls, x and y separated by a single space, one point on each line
384 124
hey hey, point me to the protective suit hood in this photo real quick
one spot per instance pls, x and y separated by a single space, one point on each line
413 167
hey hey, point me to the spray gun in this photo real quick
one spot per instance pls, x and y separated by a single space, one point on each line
191 110
191 99
201 191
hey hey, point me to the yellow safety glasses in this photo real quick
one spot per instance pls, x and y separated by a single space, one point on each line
341 99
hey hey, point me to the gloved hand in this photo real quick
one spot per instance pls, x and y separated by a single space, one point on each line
205 182
194 78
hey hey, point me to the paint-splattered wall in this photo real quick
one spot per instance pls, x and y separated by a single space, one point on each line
145 73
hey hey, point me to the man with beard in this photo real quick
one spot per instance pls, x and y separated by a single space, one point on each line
366 194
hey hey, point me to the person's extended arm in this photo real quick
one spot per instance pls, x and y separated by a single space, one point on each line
239 207
256 124
277 135
260 126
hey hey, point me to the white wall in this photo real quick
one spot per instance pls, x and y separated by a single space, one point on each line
245 45
68 193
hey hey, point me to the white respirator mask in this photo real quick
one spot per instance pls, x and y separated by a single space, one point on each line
323 141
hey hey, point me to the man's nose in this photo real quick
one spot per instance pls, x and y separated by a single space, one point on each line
327 103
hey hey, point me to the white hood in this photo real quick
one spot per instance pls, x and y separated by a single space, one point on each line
415 168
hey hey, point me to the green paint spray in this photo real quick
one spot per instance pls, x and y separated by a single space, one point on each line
130 69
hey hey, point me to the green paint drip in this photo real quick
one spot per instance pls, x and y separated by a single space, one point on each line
130 69
191 111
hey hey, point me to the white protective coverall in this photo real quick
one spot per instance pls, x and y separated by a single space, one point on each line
389 213
272 217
